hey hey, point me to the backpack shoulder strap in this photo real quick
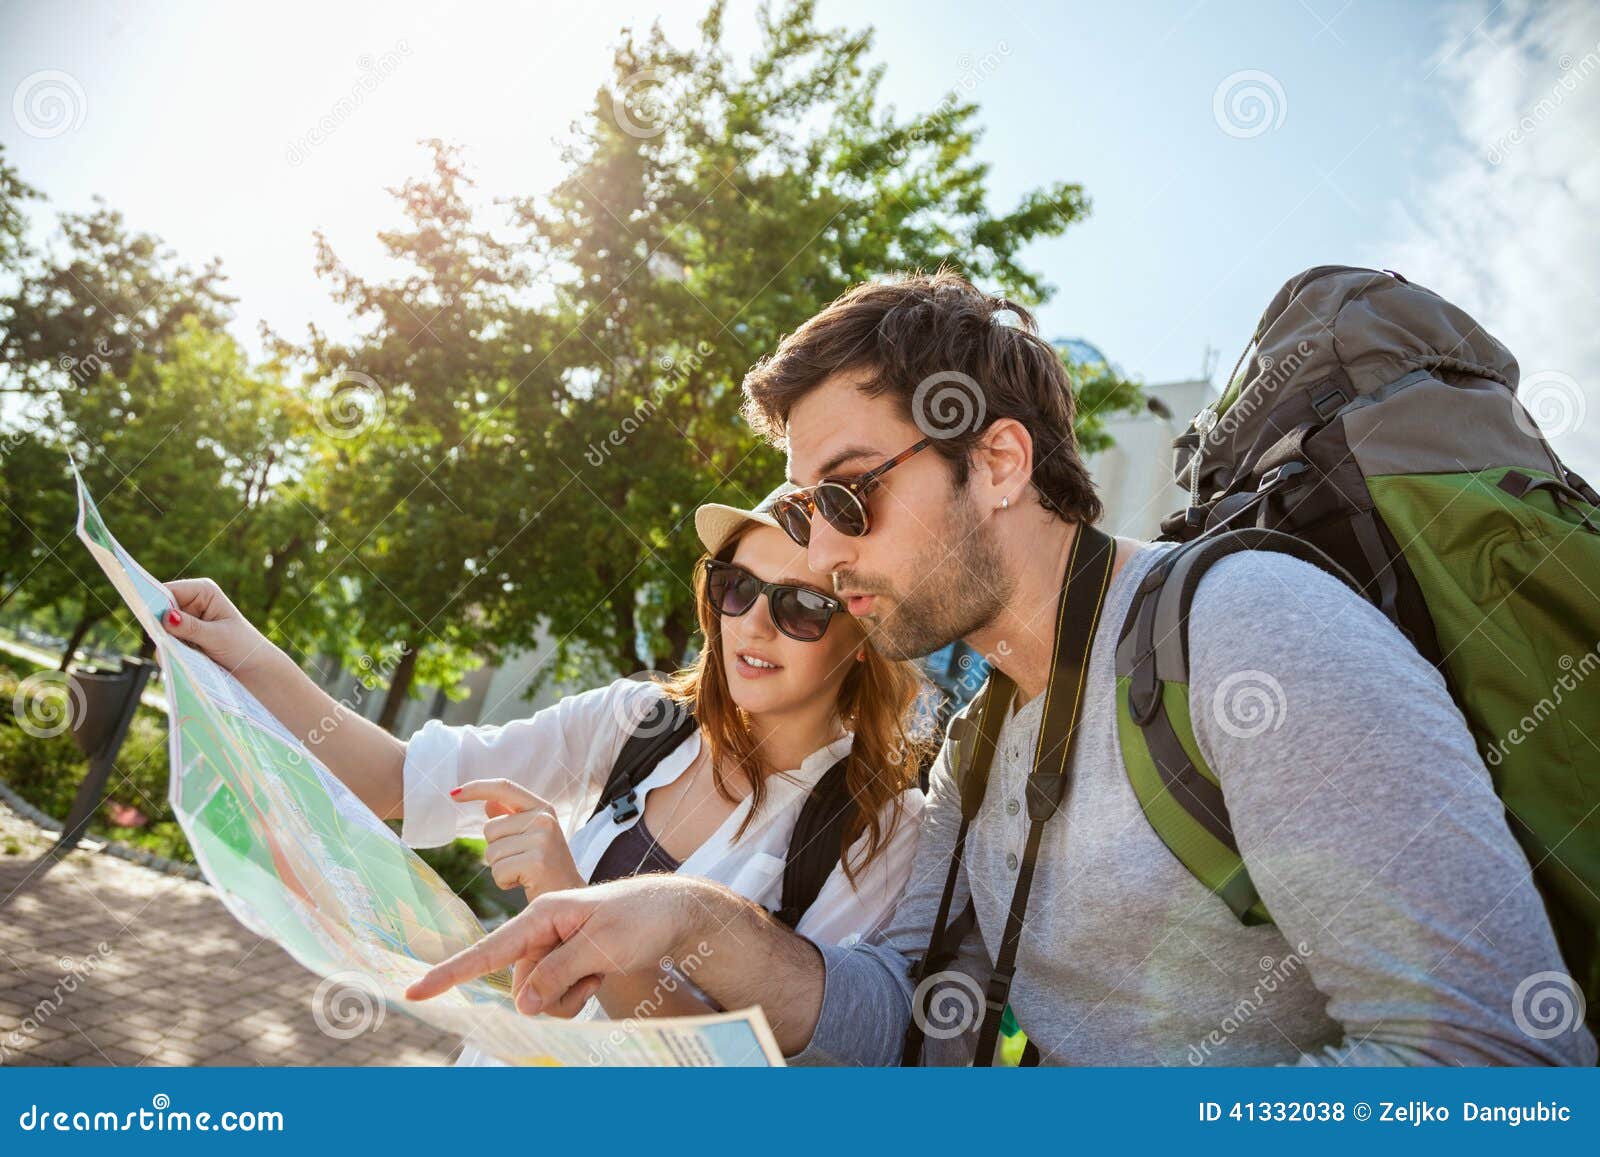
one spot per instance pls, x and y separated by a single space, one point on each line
817 843
971 736
667 724
1180 795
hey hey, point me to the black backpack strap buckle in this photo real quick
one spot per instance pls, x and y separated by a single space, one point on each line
1329 402
663 727
1278 473
625 807
998 994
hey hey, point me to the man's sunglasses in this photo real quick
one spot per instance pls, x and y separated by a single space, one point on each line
842 502
799 612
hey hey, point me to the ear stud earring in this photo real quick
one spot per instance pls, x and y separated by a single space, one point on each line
1005 502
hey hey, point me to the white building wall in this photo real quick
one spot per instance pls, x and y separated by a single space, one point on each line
1135 475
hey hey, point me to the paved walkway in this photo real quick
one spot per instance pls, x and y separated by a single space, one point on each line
178 980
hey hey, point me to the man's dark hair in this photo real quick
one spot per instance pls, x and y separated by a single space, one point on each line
935 343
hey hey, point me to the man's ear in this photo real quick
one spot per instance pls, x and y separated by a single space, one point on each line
1003 462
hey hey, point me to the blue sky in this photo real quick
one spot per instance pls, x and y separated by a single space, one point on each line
1381 125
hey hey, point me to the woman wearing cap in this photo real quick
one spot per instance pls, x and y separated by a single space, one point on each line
789 706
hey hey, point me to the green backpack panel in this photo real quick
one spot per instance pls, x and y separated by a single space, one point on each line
1376 433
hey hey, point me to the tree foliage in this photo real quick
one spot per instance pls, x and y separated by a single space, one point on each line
710 208
100 295
508 449
411 451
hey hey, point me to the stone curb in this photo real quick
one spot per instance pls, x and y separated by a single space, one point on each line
93 843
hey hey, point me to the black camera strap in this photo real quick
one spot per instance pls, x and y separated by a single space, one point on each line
1083 592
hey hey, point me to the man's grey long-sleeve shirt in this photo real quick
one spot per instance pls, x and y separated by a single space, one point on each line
1407 926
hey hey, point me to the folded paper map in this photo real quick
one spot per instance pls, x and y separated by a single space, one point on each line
297 858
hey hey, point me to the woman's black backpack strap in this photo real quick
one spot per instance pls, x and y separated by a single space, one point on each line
667 724
818 838
817 843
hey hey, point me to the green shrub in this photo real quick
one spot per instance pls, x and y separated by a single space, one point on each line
460 865
47 771
164 839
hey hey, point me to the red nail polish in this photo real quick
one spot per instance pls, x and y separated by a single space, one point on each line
173 618
455 791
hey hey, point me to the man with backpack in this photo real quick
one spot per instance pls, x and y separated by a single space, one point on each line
1224 800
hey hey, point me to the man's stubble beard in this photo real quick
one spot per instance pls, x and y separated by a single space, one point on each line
962 586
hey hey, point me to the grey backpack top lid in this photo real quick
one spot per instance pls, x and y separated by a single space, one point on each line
1332 334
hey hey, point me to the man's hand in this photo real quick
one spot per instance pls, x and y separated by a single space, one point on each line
524 844
564 944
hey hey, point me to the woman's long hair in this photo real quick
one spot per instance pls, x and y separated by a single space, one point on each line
875 701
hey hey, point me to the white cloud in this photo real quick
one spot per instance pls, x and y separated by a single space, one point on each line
1505 218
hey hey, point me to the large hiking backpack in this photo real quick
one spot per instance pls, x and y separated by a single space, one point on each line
818 838
1376 433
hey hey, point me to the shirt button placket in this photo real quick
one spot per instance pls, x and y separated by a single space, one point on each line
1013 805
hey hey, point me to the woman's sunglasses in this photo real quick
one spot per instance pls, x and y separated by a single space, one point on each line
799 612
842 502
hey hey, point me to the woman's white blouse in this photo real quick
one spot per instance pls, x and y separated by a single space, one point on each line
564 755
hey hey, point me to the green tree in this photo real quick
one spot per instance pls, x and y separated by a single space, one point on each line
1100 391
97 298
25 454
709 210
13 222
186 455
410 466
36 508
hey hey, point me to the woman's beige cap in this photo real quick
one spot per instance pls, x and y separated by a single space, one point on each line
716 523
